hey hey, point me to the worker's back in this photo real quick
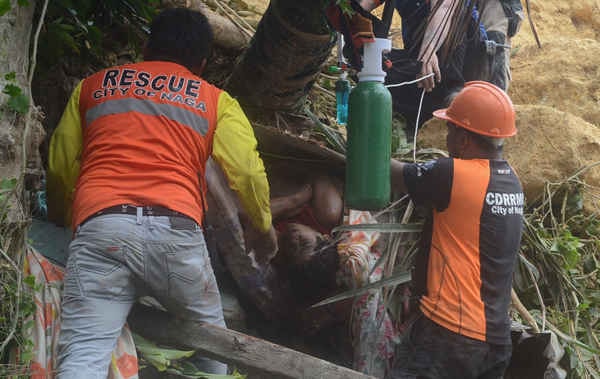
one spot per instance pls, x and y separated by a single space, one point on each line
146 138
476 230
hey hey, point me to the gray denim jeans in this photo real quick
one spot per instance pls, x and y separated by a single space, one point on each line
113 260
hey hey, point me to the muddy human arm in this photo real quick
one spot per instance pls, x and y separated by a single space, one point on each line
434 37
263 245
318 203
369 5
397 176
327 202
287 206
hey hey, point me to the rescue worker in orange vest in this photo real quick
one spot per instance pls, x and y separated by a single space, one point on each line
129 155
465 266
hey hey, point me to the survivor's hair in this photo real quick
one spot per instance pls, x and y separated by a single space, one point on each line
317 276
180 35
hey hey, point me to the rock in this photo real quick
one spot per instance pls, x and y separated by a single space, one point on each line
535 355
554 351
553 371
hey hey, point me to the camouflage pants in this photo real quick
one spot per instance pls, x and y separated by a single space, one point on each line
431 351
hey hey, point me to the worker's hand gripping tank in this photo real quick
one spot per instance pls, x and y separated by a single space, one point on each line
369 134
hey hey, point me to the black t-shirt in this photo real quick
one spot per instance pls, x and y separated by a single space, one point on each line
470 244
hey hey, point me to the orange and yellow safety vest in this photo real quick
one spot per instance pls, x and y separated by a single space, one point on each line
141 134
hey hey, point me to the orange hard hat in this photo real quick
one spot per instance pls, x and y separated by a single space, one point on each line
482 108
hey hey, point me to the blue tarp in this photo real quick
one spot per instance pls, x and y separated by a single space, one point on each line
50 240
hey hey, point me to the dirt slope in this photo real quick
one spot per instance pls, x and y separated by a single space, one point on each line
564 75
558 90
565 72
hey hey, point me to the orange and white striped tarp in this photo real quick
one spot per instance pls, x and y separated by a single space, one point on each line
47 295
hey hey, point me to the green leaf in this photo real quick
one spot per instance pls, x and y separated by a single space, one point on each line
94 35
67 27
26 356
23 3
399 278
11 76
12 90
68 40
8 184
568 246
583 306
345 7
28 324
4 7
30 281
19 103
158 357
188 370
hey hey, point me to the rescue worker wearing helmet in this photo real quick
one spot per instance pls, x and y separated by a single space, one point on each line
468 252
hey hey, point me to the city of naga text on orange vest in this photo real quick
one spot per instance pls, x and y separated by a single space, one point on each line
180 89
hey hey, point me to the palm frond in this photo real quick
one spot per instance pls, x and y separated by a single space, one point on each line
394 280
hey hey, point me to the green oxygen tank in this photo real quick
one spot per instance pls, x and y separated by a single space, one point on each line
369 134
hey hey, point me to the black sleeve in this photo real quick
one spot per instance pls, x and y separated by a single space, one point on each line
430 183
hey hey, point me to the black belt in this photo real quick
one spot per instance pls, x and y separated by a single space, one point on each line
178 220
147 210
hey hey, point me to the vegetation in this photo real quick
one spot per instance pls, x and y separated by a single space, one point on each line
17 101
5 5
16 305
90 30
71 29
558 272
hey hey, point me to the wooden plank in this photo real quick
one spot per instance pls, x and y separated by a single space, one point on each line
251 354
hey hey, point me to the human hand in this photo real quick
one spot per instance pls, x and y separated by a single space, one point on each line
369 5
263 245
430 65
